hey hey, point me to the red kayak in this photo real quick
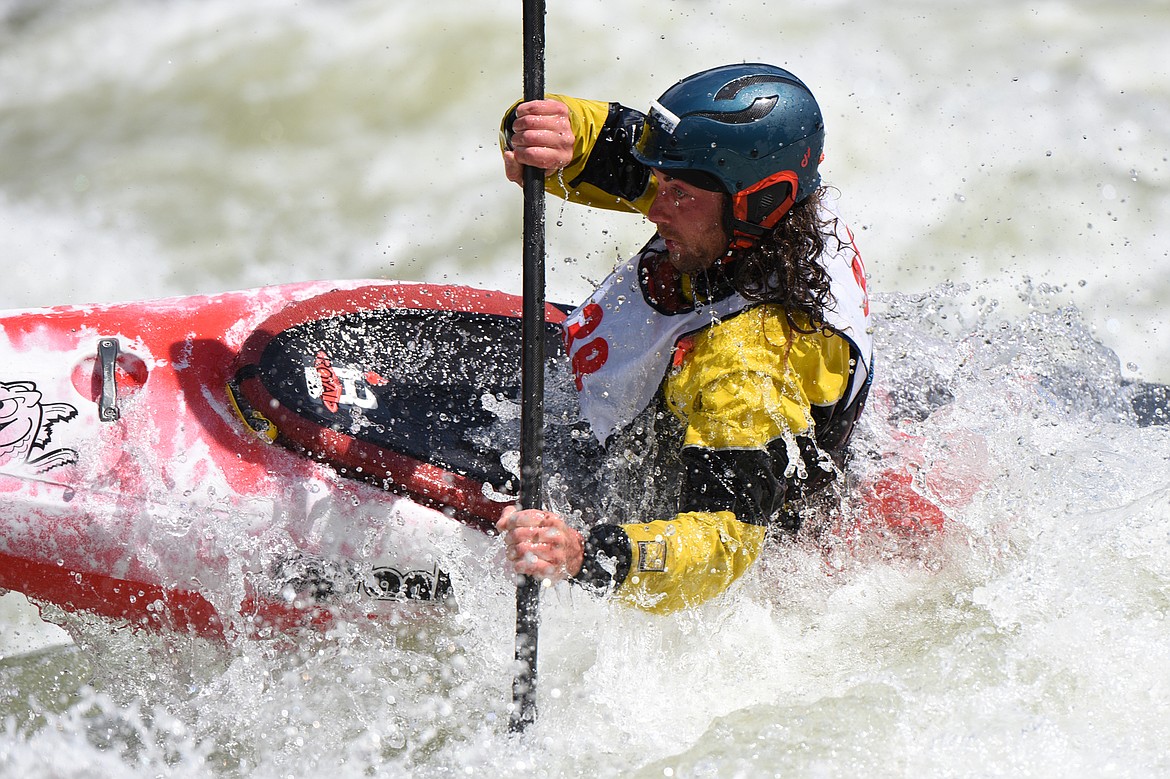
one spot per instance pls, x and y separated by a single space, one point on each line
139 479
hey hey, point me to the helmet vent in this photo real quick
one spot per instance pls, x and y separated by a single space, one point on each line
760 107
733 87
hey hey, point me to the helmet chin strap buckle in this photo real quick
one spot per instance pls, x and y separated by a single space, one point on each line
744 235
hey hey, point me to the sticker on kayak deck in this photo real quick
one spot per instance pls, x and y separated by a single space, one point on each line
391 584
336 386
26 426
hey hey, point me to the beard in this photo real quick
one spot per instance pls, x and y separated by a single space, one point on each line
691 257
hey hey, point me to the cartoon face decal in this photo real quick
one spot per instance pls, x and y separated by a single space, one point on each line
26 427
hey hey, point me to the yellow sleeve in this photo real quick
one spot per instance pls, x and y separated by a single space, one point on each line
588 121
687 560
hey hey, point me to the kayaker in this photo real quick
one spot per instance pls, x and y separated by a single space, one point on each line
745 316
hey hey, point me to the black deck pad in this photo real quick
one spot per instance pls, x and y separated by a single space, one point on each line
377 388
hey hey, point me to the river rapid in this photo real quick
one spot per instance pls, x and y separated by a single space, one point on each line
1004 166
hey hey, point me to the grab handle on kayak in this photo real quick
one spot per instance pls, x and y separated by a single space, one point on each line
107 362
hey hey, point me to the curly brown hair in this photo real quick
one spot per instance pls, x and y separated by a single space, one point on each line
784 266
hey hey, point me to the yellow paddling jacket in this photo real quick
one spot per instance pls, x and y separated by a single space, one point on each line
765 407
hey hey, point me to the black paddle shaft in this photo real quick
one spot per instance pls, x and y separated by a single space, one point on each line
531 379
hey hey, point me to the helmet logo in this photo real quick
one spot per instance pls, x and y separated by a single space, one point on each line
804 160
667 118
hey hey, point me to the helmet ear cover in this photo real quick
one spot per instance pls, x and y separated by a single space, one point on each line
760 207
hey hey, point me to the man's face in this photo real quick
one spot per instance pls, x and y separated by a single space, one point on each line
690 220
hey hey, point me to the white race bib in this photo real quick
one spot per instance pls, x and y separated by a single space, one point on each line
620 344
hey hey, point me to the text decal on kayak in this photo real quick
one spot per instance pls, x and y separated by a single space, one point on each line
336 386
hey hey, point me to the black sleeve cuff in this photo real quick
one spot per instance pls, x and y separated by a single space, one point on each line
607 559
611 166
506 131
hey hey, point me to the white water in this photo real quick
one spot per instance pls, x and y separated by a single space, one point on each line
155 148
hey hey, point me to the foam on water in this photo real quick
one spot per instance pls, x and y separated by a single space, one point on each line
182 147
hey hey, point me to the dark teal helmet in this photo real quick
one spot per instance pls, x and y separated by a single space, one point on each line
755 129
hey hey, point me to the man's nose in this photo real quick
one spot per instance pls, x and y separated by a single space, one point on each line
659 212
